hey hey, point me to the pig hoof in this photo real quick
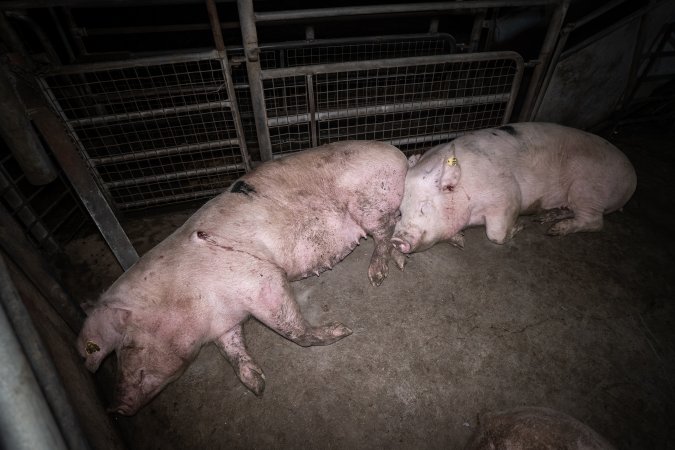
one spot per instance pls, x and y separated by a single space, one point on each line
324 335
457 241
378 271
559 229
253 378
399 258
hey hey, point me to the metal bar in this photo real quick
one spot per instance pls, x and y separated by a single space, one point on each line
385 63
78 173
164 152
25 213
39 33
20 137
159 112
24 254
544 58
138 62
252 52
174 175
62 35
41 362
175 197
74 31
26 422
477 31
386 109
277 16
515 86
312 110
424 138
564 35
11 39
229 84
346 41
155 29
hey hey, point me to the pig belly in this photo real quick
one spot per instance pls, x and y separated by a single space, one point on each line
323 245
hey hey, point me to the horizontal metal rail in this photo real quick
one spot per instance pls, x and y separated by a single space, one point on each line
175 175
351 66
388 109
138 62
173 198
303 14
422 139
164 151
159 112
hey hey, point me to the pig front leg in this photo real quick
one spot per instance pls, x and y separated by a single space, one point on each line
382 231
276 307
502 225
233 347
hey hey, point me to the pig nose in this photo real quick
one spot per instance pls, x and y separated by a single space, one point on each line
401 245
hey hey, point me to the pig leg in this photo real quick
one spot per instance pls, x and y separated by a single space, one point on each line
553 215
502 225
582 221
233 347
382 231
278 310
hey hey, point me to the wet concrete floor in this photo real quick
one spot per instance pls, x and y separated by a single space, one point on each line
583 324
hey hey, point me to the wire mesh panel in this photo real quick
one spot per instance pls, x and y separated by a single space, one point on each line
329 51
154 131
412 103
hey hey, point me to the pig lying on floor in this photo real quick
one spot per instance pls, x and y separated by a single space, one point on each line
234 258
492 176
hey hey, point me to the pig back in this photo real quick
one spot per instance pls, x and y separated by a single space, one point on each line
306 211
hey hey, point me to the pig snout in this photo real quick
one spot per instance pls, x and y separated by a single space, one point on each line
404 242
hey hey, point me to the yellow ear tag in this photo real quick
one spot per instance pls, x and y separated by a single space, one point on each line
452 161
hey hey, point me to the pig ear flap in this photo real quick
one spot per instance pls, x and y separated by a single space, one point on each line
451 174
412 160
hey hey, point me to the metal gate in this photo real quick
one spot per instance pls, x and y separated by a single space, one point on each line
154 130
412 103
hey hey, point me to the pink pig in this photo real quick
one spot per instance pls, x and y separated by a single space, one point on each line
234 258
492 176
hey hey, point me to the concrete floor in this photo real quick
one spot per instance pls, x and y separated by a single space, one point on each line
582 324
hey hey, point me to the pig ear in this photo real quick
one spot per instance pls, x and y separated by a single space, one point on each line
412 160
451 174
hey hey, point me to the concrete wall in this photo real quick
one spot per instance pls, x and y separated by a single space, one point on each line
589 81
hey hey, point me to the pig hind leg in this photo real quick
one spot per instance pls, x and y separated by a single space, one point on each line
279 311
233 347
586 209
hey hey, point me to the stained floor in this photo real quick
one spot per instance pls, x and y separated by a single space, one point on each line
583 324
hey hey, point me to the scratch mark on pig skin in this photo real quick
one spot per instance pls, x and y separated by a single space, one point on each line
509 129
242 187
205 237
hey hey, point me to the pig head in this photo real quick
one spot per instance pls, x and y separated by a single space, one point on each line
435 205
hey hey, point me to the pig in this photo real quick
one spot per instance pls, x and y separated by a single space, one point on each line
531 427
490 177
286 220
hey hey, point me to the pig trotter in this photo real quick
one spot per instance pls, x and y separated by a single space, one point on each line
457 240
233 347
399 258
322 335
378 269
579 223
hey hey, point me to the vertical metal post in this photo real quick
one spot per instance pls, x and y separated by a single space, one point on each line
41 362
252 52
26 422
309 79
477 30
16 130
229 84
57 138
564 35
544 58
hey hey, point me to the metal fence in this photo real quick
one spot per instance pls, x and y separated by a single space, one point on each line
155 130
412 103
330 51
